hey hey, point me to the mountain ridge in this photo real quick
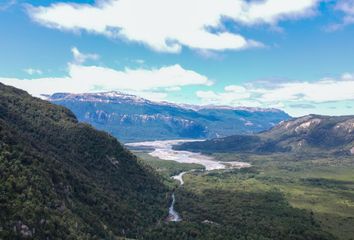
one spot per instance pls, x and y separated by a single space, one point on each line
307 134
112 95
131 118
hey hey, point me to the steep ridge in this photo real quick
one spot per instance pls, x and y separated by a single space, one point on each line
60 179
131 118
308 134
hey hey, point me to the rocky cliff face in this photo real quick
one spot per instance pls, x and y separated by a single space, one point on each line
131 118
308 134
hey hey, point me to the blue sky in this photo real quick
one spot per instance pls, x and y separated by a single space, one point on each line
292 55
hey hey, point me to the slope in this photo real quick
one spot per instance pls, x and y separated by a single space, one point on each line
131 118
60 179
312 134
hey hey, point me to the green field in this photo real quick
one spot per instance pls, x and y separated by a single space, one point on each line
279 197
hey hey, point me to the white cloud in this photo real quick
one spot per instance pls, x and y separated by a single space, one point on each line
226 98
153 96
232 95
80 58
346 7
151 83
93 78
321 91
284 93
167 25
139 61
173 89
272 11
33 71
347 76
7 4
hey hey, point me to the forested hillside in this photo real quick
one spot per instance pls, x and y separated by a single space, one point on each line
60 179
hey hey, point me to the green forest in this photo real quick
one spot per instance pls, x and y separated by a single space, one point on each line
60 179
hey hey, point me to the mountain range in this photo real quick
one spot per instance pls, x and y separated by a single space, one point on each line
61 179
303 135
131 118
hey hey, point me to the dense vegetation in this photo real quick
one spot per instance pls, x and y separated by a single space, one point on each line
235 205
254 203
167 168
322 185
312 134
60 179
281 196
306 194
130 118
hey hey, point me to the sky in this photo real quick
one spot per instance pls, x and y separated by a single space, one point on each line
295 55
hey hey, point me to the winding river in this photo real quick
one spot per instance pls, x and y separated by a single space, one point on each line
164 151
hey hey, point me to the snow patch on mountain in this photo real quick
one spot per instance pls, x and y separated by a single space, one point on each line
120 97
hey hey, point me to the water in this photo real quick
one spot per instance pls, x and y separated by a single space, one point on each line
173 216
164 151
179 177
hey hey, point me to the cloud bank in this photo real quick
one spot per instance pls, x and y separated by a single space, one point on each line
168 25
80 58
304 95
33 71
152 83
7 4
346 7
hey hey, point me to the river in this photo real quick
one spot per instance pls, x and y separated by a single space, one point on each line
164 151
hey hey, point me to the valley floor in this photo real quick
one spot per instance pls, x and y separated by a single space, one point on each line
279 197
323 186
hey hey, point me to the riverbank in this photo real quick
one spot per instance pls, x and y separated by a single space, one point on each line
164 151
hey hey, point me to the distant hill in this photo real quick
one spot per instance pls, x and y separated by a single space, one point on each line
308 134
60 179
131 118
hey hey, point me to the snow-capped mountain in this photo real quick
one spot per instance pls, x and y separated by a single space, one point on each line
132 118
